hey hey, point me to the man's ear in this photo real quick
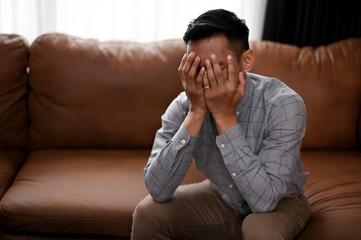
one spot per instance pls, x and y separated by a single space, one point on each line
247 60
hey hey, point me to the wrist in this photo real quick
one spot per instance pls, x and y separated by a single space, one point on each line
194 122
225 122
197 116
198 112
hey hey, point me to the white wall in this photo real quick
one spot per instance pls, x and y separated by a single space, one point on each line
138 20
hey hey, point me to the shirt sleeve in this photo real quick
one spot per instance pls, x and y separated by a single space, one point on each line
171 154
264 178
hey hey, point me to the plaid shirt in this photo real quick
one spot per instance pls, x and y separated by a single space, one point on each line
253 164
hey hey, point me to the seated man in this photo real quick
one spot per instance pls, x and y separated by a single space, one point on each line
244 132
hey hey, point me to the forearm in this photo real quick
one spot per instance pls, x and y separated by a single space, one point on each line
167 167
261 189
257 177
175 142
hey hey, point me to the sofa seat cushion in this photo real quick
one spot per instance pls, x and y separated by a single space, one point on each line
77 191
334 192
10 161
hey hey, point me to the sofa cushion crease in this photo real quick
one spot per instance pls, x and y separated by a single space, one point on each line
10 161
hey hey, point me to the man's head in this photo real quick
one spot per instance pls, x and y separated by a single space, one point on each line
220 21
219 32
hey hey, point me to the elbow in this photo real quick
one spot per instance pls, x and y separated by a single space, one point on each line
267 205
270 198
155 193
264 208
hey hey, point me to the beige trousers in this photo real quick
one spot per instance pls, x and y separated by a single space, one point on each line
197 210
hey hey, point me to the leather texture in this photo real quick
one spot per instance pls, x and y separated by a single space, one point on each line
82 81
325 78
14 131
334 192
95 106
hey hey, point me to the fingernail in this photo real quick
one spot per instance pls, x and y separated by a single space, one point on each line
192 54
213 56
230 57
197 59
208 62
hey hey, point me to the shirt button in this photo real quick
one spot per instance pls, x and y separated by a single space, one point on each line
237 113
223 145
183 141
234 174
240 204
230 185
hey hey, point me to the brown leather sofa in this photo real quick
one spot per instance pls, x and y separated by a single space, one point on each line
78 118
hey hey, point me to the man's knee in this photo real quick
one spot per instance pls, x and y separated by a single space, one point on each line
150 212
142 210
253 228
151 220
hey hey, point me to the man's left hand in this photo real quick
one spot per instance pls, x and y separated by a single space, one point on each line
224 93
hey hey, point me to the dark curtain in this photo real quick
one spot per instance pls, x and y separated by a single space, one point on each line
312 22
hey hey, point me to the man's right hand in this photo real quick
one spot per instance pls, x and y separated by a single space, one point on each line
193 86
192 82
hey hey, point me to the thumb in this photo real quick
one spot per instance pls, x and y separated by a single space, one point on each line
242 83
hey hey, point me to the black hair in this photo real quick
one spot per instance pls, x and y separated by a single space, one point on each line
219 21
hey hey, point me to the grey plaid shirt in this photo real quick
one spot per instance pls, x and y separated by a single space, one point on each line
253 164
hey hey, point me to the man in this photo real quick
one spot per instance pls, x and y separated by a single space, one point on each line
244 132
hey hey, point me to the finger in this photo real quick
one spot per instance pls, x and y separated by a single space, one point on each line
217 70
189 62
184 58
199 79
225 73
180 68
210 74
206 86
193 71
242 83
231 71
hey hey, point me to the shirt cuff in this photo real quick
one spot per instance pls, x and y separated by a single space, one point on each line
230 140
182 138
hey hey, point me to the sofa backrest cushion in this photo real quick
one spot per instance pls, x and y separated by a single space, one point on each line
90 94
13 91
329 80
